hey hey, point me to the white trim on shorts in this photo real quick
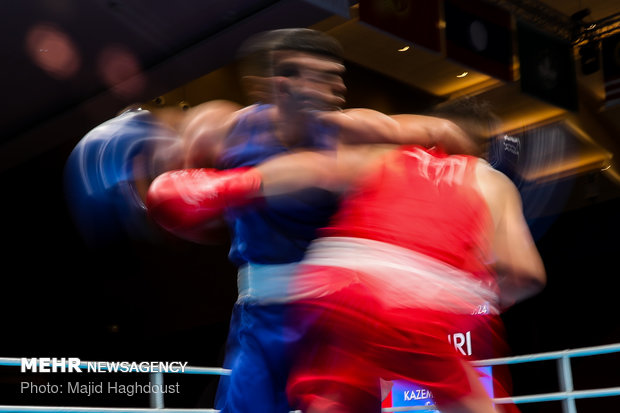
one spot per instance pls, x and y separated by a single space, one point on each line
398 277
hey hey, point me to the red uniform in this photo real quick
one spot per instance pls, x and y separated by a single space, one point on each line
404 264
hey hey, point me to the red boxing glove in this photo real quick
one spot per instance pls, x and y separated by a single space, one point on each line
185 201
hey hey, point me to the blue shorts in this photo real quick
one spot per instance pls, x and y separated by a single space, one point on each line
259 348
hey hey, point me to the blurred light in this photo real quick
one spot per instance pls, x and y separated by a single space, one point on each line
53 51
404 49
462 74
121 71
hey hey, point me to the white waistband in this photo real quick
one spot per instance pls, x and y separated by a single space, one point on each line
397 276
266 283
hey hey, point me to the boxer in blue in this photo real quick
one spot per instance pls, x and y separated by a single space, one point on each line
300 88
268 241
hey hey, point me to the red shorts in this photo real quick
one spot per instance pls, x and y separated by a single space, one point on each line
356 339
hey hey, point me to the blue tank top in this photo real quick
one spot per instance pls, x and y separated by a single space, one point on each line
280 230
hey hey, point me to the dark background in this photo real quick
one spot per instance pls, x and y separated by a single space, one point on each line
171 300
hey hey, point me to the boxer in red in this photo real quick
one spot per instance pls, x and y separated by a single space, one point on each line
421 240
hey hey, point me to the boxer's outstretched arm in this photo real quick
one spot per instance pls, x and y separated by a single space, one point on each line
185 201
334 170
370 126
